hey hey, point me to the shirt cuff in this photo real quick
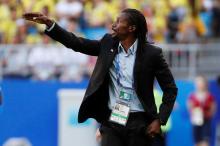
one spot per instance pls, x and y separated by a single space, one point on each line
50 28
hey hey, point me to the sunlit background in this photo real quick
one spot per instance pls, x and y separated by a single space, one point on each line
42 82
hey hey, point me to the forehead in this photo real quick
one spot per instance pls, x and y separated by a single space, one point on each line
123 16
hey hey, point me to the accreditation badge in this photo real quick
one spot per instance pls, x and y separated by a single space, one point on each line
120 111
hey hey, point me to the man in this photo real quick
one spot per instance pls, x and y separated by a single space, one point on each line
120 91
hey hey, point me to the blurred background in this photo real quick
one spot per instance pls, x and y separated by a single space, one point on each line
42 82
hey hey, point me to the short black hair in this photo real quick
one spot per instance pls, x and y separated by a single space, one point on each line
137 19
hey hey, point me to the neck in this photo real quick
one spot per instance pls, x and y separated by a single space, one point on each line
128 42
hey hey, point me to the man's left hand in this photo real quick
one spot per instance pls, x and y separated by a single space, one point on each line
154 128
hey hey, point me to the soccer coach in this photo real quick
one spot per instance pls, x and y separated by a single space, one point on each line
120 92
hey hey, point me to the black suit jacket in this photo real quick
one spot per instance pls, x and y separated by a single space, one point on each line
149 64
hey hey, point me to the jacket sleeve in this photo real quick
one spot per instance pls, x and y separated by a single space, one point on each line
168 86
78 44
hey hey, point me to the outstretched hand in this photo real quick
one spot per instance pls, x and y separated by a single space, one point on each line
38 18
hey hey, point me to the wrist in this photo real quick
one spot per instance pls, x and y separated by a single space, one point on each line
158 121
49 23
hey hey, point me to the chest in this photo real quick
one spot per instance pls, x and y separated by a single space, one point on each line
123 64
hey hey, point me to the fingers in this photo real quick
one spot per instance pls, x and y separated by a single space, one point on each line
151 133
40 19
33 19
149 129
32 14
152 130
29 18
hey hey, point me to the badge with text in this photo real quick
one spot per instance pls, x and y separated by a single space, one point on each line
125 96
120 113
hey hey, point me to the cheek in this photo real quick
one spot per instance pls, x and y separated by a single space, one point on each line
122 29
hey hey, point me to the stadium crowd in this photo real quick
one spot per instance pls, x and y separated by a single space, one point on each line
169 21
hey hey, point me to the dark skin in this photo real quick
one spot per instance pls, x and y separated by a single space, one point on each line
124 31
121 29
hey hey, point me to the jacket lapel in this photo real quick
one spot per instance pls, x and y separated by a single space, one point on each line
112 50
137 64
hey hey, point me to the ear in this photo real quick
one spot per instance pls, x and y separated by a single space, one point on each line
132 28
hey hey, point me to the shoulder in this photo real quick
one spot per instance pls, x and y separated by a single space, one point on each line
153 48
108 37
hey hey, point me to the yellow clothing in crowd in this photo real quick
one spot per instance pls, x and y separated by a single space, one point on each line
37 5
9 30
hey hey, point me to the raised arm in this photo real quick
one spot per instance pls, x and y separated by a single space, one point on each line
68 39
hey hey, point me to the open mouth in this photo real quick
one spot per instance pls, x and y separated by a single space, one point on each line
113 33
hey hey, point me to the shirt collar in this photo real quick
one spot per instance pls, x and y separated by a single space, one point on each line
132 50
